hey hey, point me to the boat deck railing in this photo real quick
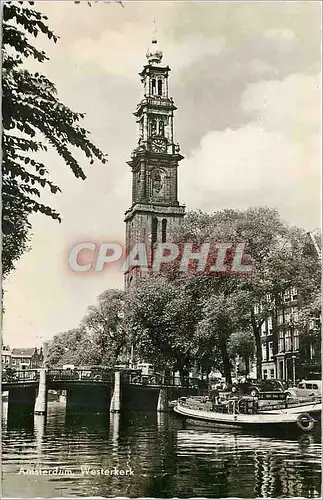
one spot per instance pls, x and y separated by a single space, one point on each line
242 404
233 405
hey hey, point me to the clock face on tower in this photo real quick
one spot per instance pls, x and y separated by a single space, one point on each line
158 145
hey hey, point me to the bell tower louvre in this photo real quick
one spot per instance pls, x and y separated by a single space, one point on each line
155 211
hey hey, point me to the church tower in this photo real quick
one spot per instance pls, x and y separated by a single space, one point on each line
155 211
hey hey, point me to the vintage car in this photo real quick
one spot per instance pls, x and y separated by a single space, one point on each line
255 386
305 389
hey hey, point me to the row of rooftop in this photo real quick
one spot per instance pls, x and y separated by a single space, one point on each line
21 357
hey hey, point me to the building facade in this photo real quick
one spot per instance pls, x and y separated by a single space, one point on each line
155 212
27 358
6 356
289 351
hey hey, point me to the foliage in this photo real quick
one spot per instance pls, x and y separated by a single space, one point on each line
242 344
281 260
99 340
33 120
72 347
162 316
105 324
222 315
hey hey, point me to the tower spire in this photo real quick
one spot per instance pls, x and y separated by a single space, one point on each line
154 54
155 211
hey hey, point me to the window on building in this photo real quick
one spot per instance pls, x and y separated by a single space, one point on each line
160 87
280 318
263 330
161 128
288 340
281 342
164 230
296 340
271 352
294 293
272 373
270 323
287 315
13 361
265 375
264 352
153 86
154 228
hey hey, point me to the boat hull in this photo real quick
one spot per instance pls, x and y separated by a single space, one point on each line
273 419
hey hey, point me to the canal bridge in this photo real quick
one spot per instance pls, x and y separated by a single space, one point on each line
95 389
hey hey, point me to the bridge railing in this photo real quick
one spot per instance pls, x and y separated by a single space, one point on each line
20 376
134 377
157 379
80 375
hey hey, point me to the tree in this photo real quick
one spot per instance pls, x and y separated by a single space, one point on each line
279 255
242 344
105 323
99 340
72 347
33 120
163 317
222 315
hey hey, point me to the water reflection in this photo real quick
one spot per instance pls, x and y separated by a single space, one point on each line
269 467
168 460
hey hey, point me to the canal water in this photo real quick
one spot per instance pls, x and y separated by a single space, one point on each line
150 455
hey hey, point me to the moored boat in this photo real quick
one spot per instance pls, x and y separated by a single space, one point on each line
245 412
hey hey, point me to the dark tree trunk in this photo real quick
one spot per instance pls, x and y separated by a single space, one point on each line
247 363
258 350
183 368
183 373
226 364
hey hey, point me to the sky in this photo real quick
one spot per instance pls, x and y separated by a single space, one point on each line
245 77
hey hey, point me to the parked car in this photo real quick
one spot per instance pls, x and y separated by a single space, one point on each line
305 389
255 386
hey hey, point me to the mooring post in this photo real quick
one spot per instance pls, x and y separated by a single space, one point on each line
162 404
41 399
115 405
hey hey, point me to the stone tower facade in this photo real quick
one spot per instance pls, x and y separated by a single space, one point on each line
155 211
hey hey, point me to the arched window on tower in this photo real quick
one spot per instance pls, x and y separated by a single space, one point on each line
164 230
154 229
153 127
160 87
161 130
153 86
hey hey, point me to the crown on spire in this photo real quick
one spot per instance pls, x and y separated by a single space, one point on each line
154 54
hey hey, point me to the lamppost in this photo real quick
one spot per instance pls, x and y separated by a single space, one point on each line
292 329
294 370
